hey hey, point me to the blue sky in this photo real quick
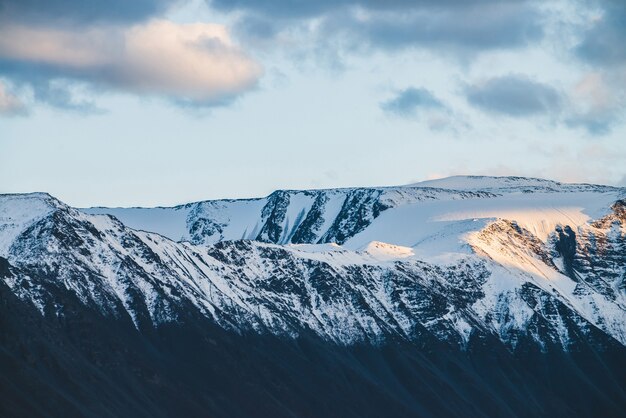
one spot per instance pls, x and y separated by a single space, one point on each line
163 102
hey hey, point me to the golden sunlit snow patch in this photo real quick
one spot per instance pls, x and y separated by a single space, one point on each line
382 250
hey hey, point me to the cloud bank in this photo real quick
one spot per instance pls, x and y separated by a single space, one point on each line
462 26
53 46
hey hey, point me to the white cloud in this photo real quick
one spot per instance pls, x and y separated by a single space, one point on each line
192 63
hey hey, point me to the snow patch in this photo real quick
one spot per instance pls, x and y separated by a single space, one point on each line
384 251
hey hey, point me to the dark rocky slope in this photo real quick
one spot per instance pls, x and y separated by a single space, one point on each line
85 364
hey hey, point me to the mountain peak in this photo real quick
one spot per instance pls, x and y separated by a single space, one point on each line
18 211
467 182
508 184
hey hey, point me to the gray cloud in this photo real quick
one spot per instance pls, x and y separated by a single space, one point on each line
83 11
594 124
422 105
590 104
58 94
279 8
514 95
408 102
255 27
306 9
604 42
462 28
462 25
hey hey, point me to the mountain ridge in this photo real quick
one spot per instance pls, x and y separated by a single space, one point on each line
354 226
398 274
420 184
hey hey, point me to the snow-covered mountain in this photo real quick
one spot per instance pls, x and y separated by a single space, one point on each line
350 264
528 263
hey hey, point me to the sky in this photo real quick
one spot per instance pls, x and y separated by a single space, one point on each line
161 102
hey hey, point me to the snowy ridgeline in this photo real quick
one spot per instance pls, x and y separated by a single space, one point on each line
335 215
456 257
